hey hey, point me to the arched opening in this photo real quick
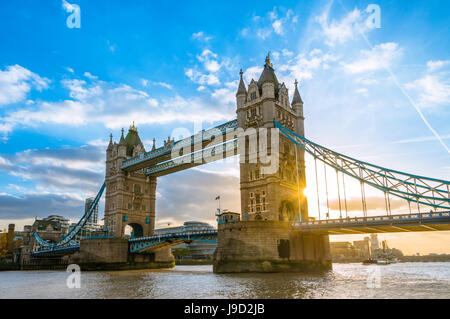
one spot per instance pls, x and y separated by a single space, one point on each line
133 230
287 211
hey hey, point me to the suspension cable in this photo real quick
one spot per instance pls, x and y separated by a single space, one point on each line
326 188
345 196
363 197
317 186
339 194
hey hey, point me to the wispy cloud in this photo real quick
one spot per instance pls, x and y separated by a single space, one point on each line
16 82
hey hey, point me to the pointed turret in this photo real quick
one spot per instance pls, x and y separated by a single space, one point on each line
154 144
122 139
241 88
241 94
297 98
268 82
133 141
110 145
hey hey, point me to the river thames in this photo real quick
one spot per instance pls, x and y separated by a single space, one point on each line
401 280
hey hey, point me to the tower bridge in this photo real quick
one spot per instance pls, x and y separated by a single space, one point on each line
275 232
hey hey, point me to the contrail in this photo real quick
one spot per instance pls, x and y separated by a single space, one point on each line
411 101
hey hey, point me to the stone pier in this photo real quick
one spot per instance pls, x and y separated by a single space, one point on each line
269 246
113 254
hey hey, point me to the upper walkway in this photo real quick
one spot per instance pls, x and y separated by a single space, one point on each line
164 154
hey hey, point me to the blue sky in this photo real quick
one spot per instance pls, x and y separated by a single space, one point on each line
166 65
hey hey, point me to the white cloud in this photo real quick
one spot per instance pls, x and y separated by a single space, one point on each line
146 82
273 22
225 95
287 53
434 65
201 36
68 7
379 57
109 104
340 31
252 73
432 90
90 76
202 79
278 27
16 82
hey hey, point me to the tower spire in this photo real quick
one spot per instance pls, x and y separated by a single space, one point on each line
297 98
122 139
268 63
241 88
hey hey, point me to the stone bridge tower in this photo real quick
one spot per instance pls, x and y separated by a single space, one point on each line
265 239
278 196
130 196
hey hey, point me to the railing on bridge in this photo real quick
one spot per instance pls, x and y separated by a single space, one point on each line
142 243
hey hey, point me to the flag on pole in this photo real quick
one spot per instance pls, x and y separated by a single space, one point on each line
218 197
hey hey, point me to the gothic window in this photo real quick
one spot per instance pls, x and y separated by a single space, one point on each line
252 95
137 189
254 111
256 174
251 176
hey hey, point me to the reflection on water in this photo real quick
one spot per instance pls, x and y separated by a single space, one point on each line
402 280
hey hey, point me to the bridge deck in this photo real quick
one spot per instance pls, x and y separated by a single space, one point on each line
438 221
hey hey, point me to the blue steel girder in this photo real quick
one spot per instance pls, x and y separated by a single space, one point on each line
68 240
143 243
434 221
196 141
413 188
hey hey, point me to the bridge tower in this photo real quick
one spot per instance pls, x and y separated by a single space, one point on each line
130 196
278 196
271 200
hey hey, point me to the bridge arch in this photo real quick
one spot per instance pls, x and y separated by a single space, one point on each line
133 230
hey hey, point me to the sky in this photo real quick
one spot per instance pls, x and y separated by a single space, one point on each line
375 87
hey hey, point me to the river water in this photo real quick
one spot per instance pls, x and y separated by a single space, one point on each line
401 280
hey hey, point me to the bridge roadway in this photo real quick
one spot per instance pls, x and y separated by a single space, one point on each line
418 222
433 221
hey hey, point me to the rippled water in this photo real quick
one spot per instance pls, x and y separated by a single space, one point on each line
402 280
